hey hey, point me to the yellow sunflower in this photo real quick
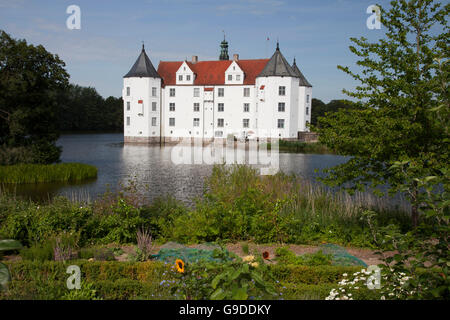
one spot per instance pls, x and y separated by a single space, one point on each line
180 265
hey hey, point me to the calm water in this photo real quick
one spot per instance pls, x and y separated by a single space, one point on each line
150 166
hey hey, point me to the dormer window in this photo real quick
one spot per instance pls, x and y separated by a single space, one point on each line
180 77
238 77
188 77
230 77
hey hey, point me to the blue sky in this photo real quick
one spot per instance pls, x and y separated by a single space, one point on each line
315 32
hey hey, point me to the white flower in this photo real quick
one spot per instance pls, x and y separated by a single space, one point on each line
344 275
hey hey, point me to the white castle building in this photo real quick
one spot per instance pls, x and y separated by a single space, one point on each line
210 100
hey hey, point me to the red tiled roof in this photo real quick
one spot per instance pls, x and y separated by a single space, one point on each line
211 72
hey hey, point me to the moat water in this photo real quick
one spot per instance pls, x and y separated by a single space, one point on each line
151 167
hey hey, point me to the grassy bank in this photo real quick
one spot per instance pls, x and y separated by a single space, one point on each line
35 173
238 205
302 147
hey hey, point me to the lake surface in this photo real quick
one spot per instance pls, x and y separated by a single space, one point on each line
150 166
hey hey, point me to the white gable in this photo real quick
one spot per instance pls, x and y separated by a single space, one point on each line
185 74
234 74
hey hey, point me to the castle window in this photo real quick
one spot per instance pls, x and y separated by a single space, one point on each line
307 98
281 106
172 106
180 77
154 121
128 91
230 77
246 107
246 123
153 92
246 92
196 122
128 121
171 122
220 123
307 110
128 105
172 92
221 92
188 78
280 123
220 107
196 107
281 91
153 106
196 92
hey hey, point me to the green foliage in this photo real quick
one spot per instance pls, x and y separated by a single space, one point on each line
229 278
301 147
423 248
403 83
9 245
83 109
285 256
31 223
320 109
97 253
36 173
38 252
87 292
34 280
239 204
30 81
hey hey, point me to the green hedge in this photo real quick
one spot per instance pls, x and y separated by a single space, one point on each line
35 173
131 280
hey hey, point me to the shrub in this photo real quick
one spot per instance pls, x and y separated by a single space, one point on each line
285 256
38 252
99 254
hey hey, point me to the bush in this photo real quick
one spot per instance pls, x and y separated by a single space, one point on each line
285 256
144 280
40 252
99 254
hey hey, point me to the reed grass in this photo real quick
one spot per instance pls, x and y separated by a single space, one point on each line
38 173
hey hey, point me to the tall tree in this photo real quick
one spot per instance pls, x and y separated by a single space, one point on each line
402 83
30 81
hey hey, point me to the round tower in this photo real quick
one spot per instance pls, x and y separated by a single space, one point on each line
142 102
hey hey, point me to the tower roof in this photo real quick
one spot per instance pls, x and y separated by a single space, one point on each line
143 67
303 82
278 66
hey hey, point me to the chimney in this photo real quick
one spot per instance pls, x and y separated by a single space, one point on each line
194 59
235 57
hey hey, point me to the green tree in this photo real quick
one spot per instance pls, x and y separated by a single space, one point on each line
30 80
403 81
83 109
320 109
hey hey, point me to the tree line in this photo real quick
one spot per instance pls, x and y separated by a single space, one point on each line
83 109
37 103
